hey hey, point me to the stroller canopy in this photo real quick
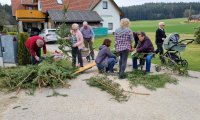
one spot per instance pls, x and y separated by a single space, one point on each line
174 38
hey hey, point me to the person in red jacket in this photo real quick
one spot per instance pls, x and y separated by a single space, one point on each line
34 45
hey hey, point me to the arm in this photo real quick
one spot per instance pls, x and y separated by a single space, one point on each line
44 48
143 47
92 32
110 54
158 36
32 51
79 39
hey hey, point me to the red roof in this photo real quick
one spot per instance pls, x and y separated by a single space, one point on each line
77 5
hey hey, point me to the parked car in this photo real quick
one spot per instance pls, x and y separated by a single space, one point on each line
49 35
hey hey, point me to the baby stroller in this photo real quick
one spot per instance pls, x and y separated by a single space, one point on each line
174 46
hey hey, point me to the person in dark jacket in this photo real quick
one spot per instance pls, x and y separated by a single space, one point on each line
105 58
34 45
144 46
160 37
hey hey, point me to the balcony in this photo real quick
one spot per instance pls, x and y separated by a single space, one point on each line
30 16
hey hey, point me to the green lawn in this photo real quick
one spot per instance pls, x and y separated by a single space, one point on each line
179 25
192 53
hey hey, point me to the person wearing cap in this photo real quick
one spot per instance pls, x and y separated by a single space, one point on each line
34 45
77 44
88 36
160 37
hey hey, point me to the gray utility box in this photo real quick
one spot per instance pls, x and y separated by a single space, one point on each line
8 48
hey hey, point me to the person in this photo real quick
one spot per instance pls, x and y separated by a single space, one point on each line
123 38
77 44
105 58
160 37
34 45
144 46
88 36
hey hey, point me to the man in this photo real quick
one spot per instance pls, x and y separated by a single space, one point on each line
88 36
34 45
145 46
160 37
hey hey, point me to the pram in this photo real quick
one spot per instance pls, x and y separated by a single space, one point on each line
174 46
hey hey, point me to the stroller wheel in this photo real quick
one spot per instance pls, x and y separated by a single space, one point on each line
184 63
88 58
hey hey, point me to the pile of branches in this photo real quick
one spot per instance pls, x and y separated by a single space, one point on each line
105 84
151 82
49 73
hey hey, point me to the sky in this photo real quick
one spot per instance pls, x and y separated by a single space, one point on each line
127 2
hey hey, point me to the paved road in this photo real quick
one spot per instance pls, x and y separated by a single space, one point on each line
174 102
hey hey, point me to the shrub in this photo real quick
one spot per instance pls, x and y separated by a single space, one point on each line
23 54
197 35
12 33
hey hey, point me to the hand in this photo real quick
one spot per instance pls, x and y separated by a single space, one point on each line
37 58
133 49
74 45
163 39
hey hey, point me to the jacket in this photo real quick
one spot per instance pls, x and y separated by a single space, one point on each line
32 46
145 46
159 35
103 55
79 38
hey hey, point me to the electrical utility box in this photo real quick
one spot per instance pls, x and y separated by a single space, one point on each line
9 48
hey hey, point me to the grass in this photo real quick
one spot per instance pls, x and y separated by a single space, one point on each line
151 82
179 25
192 53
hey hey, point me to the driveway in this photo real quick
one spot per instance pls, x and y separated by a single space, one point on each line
174 102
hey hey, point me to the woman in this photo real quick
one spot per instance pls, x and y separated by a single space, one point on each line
123 41
105 59
77 44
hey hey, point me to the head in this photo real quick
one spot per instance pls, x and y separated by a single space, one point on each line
40 43
125 22
75 27
141 36
161 25
107 42
85 24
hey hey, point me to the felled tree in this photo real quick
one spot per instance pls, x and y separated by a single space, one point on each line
23 54
197 35
63 33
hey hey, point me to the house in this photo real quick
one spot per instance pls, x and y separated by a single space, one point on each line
195 18
48 13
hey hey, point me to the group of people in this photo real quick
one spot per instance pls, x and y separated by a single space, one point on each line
79 38
105 60
124 37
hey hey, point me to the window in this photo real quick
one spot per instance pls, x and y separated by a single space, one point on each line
59 1
101 25
105 5
35 1
110 26
30 8
39 6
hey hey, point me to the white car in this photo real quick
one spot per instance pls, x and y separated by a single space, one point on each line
49 35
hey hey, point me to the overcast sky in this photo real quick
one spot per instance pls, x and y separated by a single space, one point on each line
127 2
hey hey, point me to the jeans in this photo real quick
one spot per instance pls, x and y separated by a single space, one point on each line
33 60
76 52
148 62
160 51
123 61
111 64
89 44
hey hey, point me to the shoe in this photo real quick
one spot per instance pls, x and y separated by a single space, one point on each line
122 77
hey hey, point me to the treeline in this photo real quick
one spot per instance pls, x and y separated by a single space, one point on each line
6 17
156 11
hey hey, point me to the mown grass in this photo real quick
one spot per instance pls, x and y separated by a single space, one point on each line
179 25
192 53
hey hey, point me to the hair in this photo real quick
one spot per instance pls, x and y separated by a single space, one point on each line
125 22
75 26
85 23
141 33
40 43
107 42
161 23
